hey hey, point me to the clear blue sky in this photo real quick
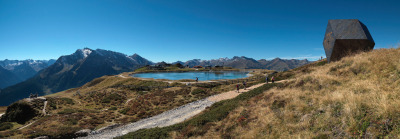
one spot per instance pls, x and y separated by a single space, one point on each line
171 30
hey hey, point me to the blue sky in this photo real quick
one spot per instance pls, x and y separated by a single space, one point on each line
171 30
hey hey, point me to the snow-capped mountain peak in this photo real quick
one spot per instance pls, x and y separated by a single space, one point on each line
86 52
223 59
130 58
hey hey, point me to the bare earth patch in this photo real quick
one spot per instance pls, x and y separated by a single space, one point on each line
231 94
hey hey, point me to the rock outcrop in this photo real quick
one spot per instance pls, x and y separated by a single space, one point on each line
19 112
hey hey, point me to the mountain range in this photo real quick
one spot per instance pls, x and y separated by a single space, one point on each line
19 70
248 63
84 65
72 71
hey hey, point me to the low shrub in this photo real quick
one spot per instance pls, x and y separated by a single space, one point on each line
176 84
278 104
339 66
64 132
198 91
67 111
19 112
153 133
9 133
321 63
71 121
124 111
68 101
206 85
112 97
142 92
5 126
53 105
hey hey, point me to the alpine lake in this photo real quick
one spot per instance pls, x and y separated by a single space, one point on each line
201 75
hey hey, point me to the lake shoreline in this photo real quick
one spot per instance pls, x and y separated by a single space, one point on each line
191 75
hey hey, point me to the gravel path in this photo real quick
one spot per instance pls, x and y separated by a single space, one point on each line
26 125
167 118
126 103
231 94
122 76
44 108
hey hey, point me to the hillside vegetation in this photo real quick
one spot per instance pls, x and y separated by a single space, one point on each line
356 97
106 101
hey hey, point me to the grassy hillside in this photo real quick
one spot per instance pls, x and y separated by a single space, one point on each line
3 109
199 124
109 100
356 97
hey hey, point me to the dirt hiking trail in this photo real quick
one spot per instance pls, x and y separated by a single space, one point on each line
170 117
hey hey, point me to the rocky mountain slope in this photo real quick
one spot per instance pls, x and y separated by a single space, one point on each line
7 78
72 71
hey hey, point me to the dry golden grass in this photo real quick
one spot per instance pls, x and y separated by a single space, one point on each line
356 97
3 109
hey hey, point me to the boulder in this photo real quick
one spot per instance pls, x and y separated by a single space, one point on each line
107 128
42 137
346 36
83 132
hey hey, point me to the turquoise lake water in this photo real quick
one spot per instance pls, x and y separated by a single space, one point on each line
203 76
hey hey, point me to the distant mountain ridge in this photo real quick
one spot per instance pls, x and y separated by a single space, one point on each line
21 70
84 65
37 65
248 63
72 71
